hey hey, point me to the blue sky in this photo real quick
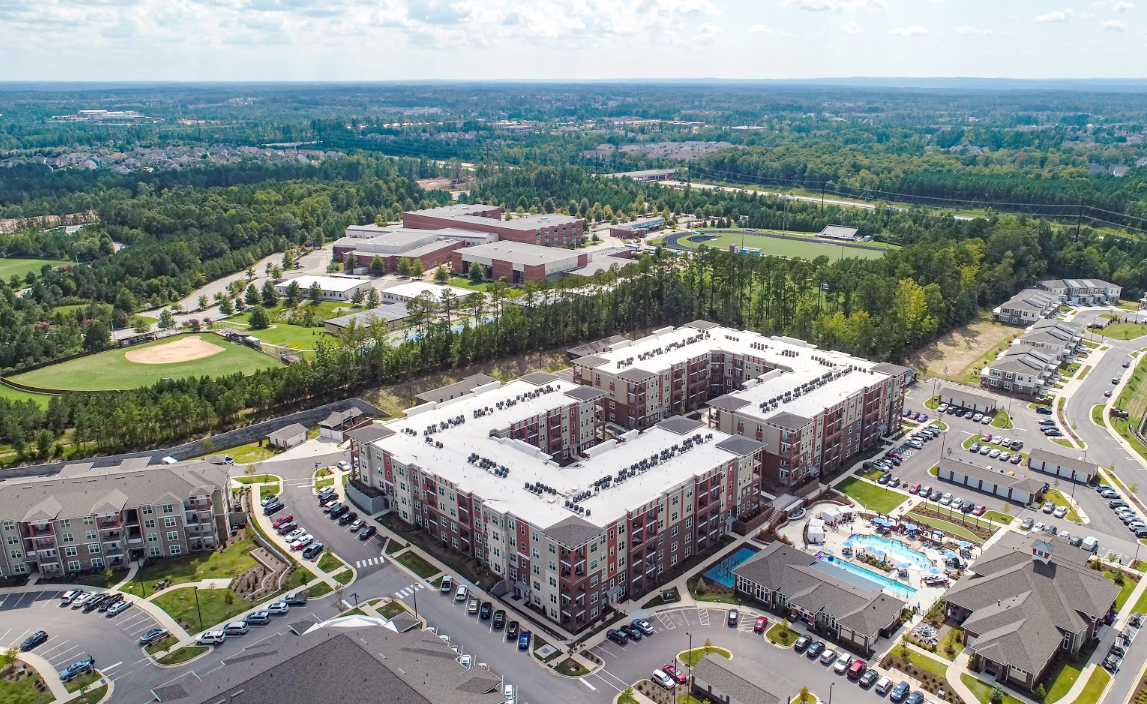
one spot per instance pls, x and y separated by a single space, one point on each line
303 40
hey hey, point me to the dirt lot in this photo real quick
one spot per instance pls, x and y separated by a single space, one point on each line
397 398
959 354
441 183
184 350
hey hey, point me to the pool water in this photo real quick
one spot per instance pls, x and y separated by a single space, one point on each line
896 550
722 572
878 581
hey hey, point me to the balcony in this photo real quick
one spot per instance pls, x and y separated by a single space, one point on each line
109 523
40 531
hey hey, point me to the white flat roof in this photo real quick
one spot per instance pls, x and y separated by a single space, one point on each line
326 283
529 465
411 289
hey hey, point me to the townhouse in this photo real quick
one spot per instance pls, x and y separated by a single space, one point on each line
521 478
1020 370
811 408
1028 306
1082 291
87 520
1056 339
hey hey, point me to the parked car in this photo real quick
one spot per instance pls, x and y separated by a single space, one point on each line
258 618
512 630
499 620
1016 459
899 692
662 680
485 612
842 663
1043 409
802 643
283 519
236 628
211 638
761 624
678 676
367 533
302 541
119 607
278 608
296 599
883 685
857 669
274 508
356 526
313 551
630 631
868 678
288 527
347 518
1048 507
813 652
974 447
524 640
332 506
473 605
33 640
1060 511
946 499
977 417
643 626
914 489
79 667
268 500
979 510
734 618
460 595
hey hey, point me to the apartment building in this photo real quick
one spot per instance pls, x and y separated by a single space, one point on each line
86 520
1028 306
1053 338
1020 370
1089 292
520 477
812 409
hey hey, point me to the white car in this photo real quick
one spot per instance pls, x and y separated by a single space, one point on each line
1003 442
993 453
302 541
941 408
267 501
1005 456
296 533
211 637
977 417
828 656
842 663
957 500
1060 512
467 660
343 465
278 608
946 499
663 680
508 692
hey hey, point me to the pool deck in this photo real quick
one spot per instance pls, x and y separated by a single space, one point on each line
835 536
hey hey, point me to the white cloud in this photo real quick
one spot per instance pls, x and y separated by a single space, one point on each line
969 29
1114 26
837 5
851 27
909 31
1114 5
1056 16
766 29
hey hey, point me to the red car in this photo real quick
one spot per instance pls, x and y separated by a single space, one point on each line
759 626
914 489
677 675
986 438
856 669
979 510
282 519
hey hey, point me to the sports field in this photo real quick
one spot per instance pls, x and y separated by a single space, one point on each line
807 249
17 395
177 357
20 267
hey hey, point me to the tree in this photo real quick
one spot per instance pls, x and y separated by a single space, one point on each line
315 293
96 336
139 325
225 306
377 266
250 469
805 695
350 262
269 296
293 293
440 275
416 270
259 319
251 296
203 302
403 267
276 272
357 297
250 273
372 299
477 272
166 320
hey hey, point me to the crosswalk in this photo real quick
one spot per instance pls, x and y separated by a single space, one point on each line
403 593
369 561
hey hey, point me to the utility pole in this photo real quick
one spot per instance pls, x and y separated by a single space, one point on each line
197 611
1078 221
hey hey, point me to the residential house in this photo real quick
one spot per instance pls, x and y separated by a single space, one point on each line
1027 306
734 681
1020 370
288 436
1082 291
336 424
1073 469
1002 484
967 400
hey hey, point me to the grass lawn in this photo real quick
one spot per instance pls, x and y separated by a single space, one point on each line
344 577
1097 415
182 655
948 526
20 267
1094 687
871 496
1062 681
161 645
1125 589
571 668
322 483
983 691
951 637
320 589
925 662
77 683
180 604
269 490
11 394
256 478
781 635
296 337
1062 441
393 546
998 517
538 643
246 454
93 696
481 287
24 691
660 598
1002 420
692 657
416 564
1124 331
391 609
1120 425
775 246
1056 497
216 565
111 370
1083 374
330 563
1141 604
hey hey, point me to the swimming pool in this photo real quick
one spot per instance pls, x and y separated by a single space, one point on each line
877 581
896 550
722 572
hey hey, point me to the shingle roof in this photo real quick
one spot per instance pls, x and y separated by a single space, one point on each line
1015 481
573 532
594 347
100 491
740 446
590 361
1074 463
744 682
372 661
339 417
287 432
728 402
369 433
456 389
635 374
679 424
791 421
539 378
1020 606
962 396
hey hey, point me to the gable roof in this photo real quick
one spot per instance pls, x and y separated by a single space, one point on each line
339 417
744 682
573 532
456 389
287 432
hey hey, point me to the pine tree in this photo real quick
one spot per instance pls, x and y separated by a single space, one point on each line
251 297
259 319
269 296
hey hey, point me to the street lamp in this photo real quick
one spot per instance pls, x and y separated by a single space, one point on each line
197 611
689 658
830 686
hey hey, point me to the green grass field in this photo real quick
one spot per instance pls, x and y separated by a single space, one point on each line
17 395
20 267
111 370
871 496
1125 331
782 248
284 334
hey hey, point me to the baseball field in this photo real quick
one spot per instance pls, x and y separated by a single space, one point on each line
806 247
176 357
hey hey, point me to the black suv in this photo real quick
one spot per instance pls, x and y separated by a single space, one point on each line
485 611
512 630
499 619
814 650
801 644
348 518
617 636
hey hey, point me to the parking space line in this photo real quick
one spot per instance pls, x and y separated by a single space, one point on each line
703 616
20 637
44 653
63 656
587 684
622 682
109 668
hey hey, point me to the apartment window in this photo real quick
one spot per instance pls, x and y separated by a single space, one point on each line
13 540
20 568
175 549
593 581
16 554
553 598
65 523
93 548
97 562
154 552
89 520
534 536
553 565
553 582
152 537
537 570
553 549
172 535
66 538
90 535
593 564
537 585
71 551
9 525
454 542
73 565
149 523
167 508
535 553
673 530
676 500
145 510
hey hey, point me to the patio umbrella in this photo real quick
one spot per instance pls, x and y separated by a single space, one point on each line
879 552
965 544
934 570
949 553
903 565
848 543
